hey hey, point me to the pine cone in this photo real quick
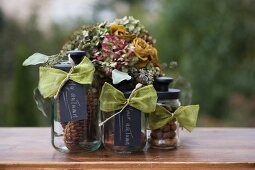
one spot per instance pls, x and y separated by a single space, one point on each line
83 130
74 134
98 82
92 111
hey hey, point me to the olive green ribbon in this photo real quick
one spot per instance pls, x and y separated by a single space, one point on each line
141 98
51 80
185 115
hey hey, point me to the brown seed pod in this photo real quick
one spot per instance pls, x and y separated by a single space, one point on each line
173 127
163 142
155 142
92 110
169 135
74 134
156 134
166 128
171 142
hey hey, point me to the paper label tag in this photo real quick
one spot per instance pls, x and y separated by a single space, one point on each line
72 102
128 127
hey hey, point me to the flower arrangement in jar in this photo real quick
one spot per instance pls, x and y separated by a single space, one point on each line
111 67
124 56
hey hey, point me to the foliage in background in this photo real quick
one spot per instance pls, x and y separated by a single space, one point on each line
17 107
214 44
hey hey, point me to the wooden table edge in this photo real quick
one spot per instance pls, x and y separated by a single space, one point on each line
129 165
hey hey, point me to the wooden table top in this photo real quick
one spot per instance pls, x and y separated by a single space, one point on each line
204 148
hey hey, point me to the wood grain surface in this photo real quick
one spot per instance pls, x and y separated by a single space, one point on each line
204 148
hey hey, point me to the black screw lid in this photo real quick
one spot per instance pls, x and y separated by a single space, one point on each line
64 67
170 94
125 85
76 55
162 83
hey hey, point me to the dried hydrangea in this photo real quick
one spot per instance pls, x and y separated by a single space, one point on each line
56 59
115 54
145 75
111 46
87 38
135 27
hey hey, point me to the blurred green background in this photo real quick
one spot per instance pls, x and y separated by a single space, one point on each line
213 43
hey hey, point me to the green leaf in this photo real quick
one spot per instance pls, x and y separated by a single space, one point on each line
36 58
44 105
119 76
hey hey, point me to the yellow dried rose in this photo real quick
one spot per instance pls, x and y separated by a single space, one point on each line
145 53
117 28
120 32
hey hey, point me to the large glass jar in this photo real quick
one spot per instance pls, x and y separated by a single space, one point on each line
126 132
166 137
74 116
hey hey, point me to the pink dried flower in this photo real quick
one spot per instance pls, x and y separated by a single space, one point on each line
111 43
116 54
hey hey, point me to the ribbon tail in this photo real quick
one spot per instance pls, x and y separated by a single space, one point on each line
106 120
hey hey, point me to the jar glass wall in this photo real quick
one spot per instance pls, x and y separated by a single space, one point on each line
74 116
125 133
77 135
166 137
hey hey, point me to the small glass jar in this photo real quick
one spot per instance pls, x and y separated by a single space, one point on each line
74 116
166 137
125 132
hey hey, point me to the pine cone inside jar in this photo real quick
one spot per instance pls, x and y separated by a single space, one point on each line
92 109
74 134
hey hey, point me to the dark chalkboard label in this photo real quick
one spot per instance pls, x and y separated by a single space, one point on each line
127 127
72 102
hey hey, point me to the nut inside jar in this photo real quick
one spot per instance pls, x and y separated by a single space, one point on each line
166 136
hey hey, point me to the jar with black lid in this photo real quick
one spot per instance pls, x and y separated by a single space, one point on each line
125 132
166 137
74 116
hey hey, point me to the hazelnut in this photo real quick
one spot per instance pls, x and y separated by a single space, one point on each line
156 134
163 142
169 135
166 128
155 142
173 127
171 142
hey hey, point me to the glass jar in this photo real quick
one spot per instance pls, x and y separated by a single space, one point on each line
74 116
166 137
125 132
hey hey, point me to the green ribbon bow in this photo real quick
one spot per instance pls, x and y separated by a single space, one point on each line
143 99
51 80
185 115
